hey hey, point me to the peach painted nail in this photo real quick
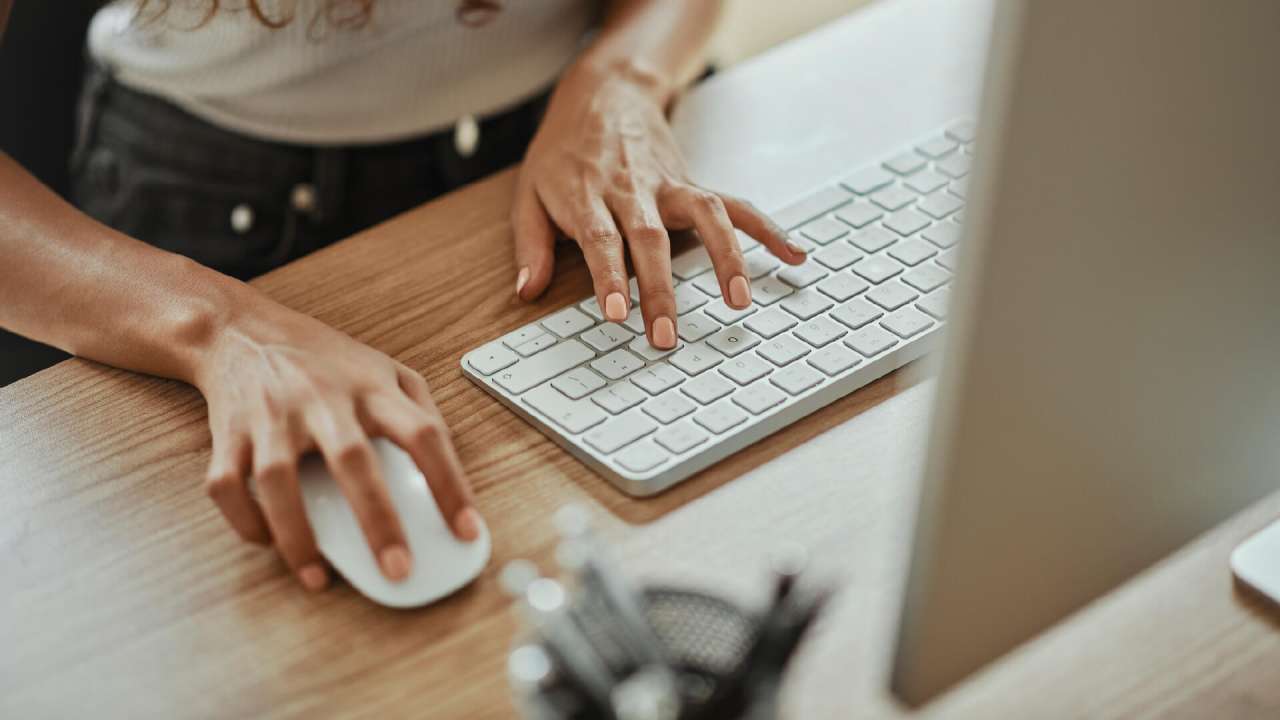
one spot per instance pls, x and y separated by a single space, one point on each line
795 248
395 562
468 524
521 279
664 333
313 577
615 307
739 292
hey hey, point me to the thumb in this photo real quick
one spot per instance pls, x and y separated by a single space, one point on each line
535 239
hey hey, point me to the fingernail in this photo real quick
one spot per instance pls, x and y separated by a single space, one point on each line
615 307
313 577
664 333
521 279
795 248
395 562
739 292
467 522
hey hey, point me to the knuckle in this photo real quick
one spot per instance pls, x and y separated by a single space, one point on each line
353 454
273 471
707 201
429 432
595 234
646 233
219 484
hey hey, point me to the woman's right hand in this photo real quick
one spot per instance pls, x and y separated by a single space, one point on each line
279 384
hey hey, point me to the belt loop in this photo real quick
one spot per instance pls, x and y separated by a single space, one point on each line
97 81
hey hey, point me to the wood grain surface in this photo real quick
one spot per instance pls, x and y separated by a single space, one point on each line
124 595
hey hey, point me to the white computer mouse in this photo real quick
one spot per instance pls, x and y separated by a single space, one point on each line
441 562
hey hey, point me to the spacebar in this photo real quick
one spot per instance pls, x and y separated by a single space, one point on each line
542 367
810 207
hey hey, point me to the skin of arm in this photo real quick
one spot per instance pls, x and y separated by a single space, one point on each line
277 383
605 170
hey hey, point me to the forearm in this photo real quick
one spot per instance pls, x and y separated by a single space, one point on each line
659 43
69 281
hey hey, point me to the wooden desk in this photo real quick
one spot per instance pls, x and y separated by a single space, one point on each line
122 593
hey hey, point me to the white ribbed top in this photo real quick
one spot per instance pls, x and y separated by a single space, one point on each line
414 68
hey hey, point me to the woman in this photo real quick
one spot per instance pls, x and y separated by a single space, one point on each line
218 140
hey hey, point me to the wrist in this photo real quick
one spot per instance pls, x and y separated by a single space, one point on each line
200 320
597 67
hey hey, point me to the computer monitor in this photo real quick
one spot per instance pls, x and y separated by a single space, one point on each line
1111 383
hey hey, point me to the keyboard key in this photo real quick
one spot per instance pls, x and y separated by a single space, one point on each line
721 417
696 325
868 179
516 338
912 252
857 313
567 322
536 345
877 269
948 260
758 398
669 407
745 369
770 322
963 131
842 286
707 388
634 286
691 263
905 163
940 204
926 181
491 358
798 276
936 304
927 278
824 230
606 337
540 368
894 197
796 378
905 222
696 358
657 378
907 322
834 359
591 307
768 291
681 437
688 298
733 340
641 457
635 321
726 315
944 235
871 340
813 206
574 416
746 243
806 303
837 257
956 165
859 214
758 265
617 364
874 239
618 397
622 430
578 383
641 346
959 188
820 331
708 283
937 147
892 296
783 350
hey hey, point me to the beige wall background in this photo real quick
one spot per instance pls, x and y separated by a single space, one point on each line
750 26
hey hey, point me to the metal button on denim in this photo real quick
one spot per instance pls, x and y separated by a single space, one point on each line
303 197
242 218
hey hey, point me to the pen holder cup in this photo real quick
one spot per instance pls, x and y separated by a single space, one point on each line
705 639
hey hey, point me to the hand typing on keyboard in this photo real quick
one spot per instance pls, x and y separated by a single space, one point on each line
606 170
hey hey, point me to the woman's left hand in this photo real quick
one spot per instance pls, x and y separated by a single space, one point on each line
605 169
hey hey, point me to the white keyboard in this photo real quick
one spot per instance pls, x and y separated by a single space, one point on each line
871 298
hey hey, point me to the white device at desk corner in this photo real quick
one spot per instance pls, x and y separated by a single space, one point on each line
442 563
1256 562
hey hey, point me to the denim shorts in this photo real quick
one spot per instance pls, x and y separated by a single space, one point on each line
242 205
